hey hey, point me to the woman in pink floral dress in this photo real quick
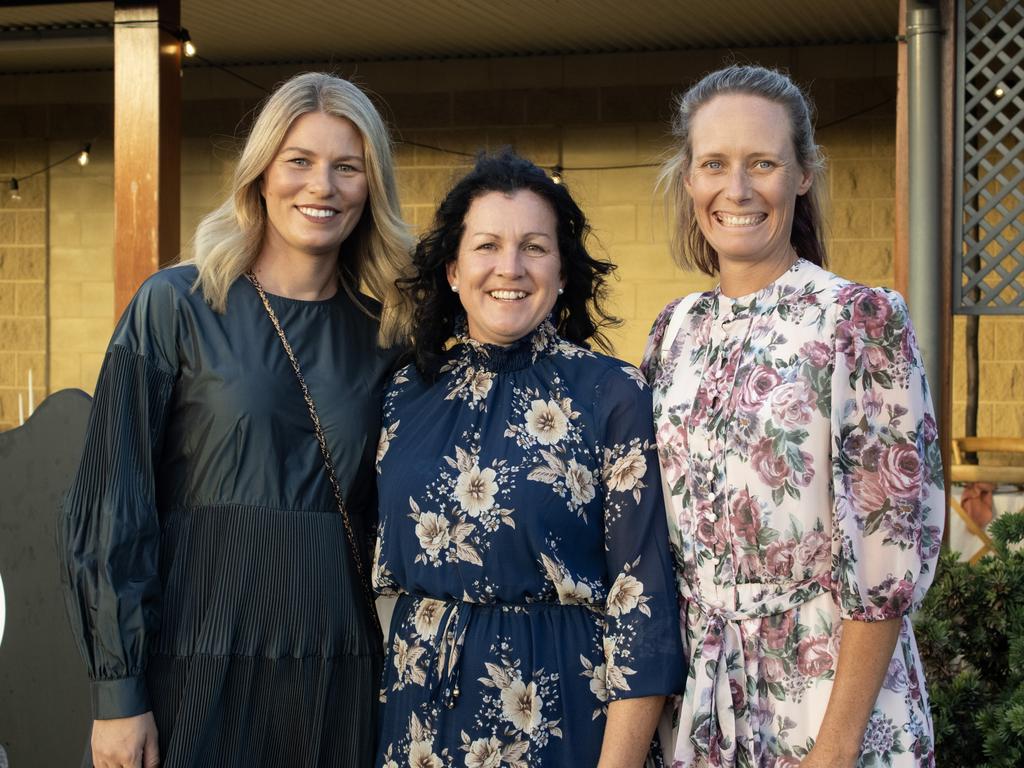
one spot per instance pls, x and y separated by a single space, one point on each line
799 458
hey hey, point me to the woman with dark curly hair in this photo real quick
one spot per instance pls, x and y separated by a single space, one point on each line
521 525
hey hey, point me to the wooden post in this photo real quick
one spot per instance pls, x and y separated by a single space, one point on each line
147 141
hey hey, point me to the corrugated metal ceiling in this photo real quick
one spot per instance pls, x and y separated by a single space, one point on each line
238 31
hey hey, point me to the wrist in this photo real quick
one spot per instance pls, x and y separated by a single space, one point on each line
836 754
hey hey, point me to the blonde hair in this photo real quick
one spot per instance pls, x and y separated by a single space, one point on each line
689 246
228 240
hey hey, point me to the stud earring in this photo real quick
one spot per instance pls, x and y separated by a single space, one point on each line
561 291
455 288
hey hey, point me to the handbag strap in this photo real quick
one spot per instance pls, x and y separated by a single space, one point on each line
324 450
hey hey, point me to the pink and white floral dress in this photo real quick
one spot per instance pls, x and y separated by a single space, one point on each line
803 486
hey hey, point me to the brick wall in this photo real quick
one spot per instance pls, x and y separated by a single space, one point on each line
81 265
583 112
1001 379
23 323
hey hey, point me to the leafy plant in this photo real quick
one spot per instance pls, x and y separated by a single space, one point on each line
970 631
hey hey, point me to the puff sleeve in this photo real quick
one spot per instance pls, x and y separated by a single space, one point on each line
108 531
889 494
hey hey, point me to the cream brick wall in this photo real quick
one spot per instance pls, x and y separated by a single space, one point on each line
81 264
583 112
23 315
1001 379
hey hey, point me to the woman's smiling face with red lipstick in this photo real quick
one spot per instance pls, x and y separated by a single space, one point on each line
508 269
315 188
744 177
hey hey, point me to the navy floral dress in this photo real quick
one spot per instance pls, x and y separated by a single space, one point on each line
522 529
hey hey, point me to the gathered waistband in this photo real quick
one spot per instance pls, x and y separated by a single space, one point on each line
456 616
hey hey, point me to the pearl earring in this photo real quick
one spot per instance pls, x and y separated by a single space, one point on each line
561 291
455 288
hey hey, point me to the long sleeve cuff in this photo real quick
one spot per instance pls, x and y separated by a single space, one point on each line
125 697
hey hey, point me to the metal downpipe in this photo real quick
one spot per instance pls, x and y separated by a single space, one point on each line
924 48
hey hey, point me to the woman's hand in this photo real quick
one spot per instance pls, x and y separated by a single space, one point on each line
125 742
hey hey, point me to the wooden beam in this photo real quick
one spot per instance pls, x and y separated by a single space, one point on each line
147 141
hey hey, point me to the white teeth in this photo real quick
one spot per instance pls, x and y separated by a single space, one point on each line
740 221
508 295
318 213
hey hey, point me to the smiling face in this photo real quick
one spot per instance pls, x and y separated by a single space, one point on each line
508 269
315 188
744 178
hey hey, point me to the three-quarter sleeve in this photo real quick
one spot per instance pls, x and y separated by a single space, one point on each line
109 532
642 642
886 465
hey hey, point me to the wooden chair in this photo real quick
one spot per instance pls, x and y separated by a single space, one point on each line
962 473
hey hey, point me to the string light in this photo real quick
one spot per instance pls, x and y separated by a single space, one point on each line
556 174
187 46
83 156
13 187
1000 92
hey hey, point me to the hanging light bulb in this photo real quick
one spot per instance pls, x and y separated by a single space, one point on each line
187 46
83 156
13 187
556 174
1000 92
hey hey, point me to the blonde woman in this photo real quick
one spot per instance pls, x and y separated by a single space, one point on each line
214 540
799 448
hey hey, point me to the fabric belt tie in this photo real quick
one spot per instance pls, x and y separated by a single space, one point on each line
450 637
722 709
445 667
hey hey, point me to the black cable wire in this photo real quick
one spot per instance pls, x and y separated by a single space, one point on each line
235 75
74 154
858 113
436 149
179 34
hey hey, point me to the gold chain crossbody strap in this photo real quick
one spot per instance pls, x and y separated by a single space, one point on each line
324 450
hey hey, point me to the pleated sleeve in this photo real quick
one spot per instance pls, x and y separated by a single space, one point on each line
886 466
109 532
642 643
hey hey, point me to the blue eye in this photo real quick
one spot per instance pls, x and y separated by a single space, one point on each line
713 165
300 161
765 165
346 168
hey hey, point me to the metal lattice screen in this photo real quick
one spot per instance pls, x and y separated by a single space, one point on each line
990 116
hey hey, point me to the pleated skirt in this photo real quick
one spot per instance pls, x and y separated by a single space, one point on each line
266 654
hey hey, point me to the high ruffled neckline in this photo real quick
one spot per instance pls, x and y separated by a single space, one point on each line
764 300
522 353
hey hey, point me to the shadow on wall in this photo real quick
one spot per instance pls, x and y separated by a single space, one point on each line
44 689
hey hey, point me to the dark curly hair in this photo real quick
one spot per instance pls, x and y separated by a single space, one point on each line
578 314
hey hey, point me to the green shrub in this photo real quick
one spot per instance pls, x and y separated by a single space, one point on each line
971 634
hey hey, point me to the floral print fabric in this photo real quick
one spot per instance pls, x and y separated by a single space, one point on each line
522 528
803 487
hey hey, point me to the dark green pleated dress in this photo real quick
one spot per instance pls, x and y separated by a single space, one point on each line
208 574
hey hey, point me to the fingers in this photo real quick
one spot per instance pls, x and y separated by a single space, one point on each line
125 743
151 750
